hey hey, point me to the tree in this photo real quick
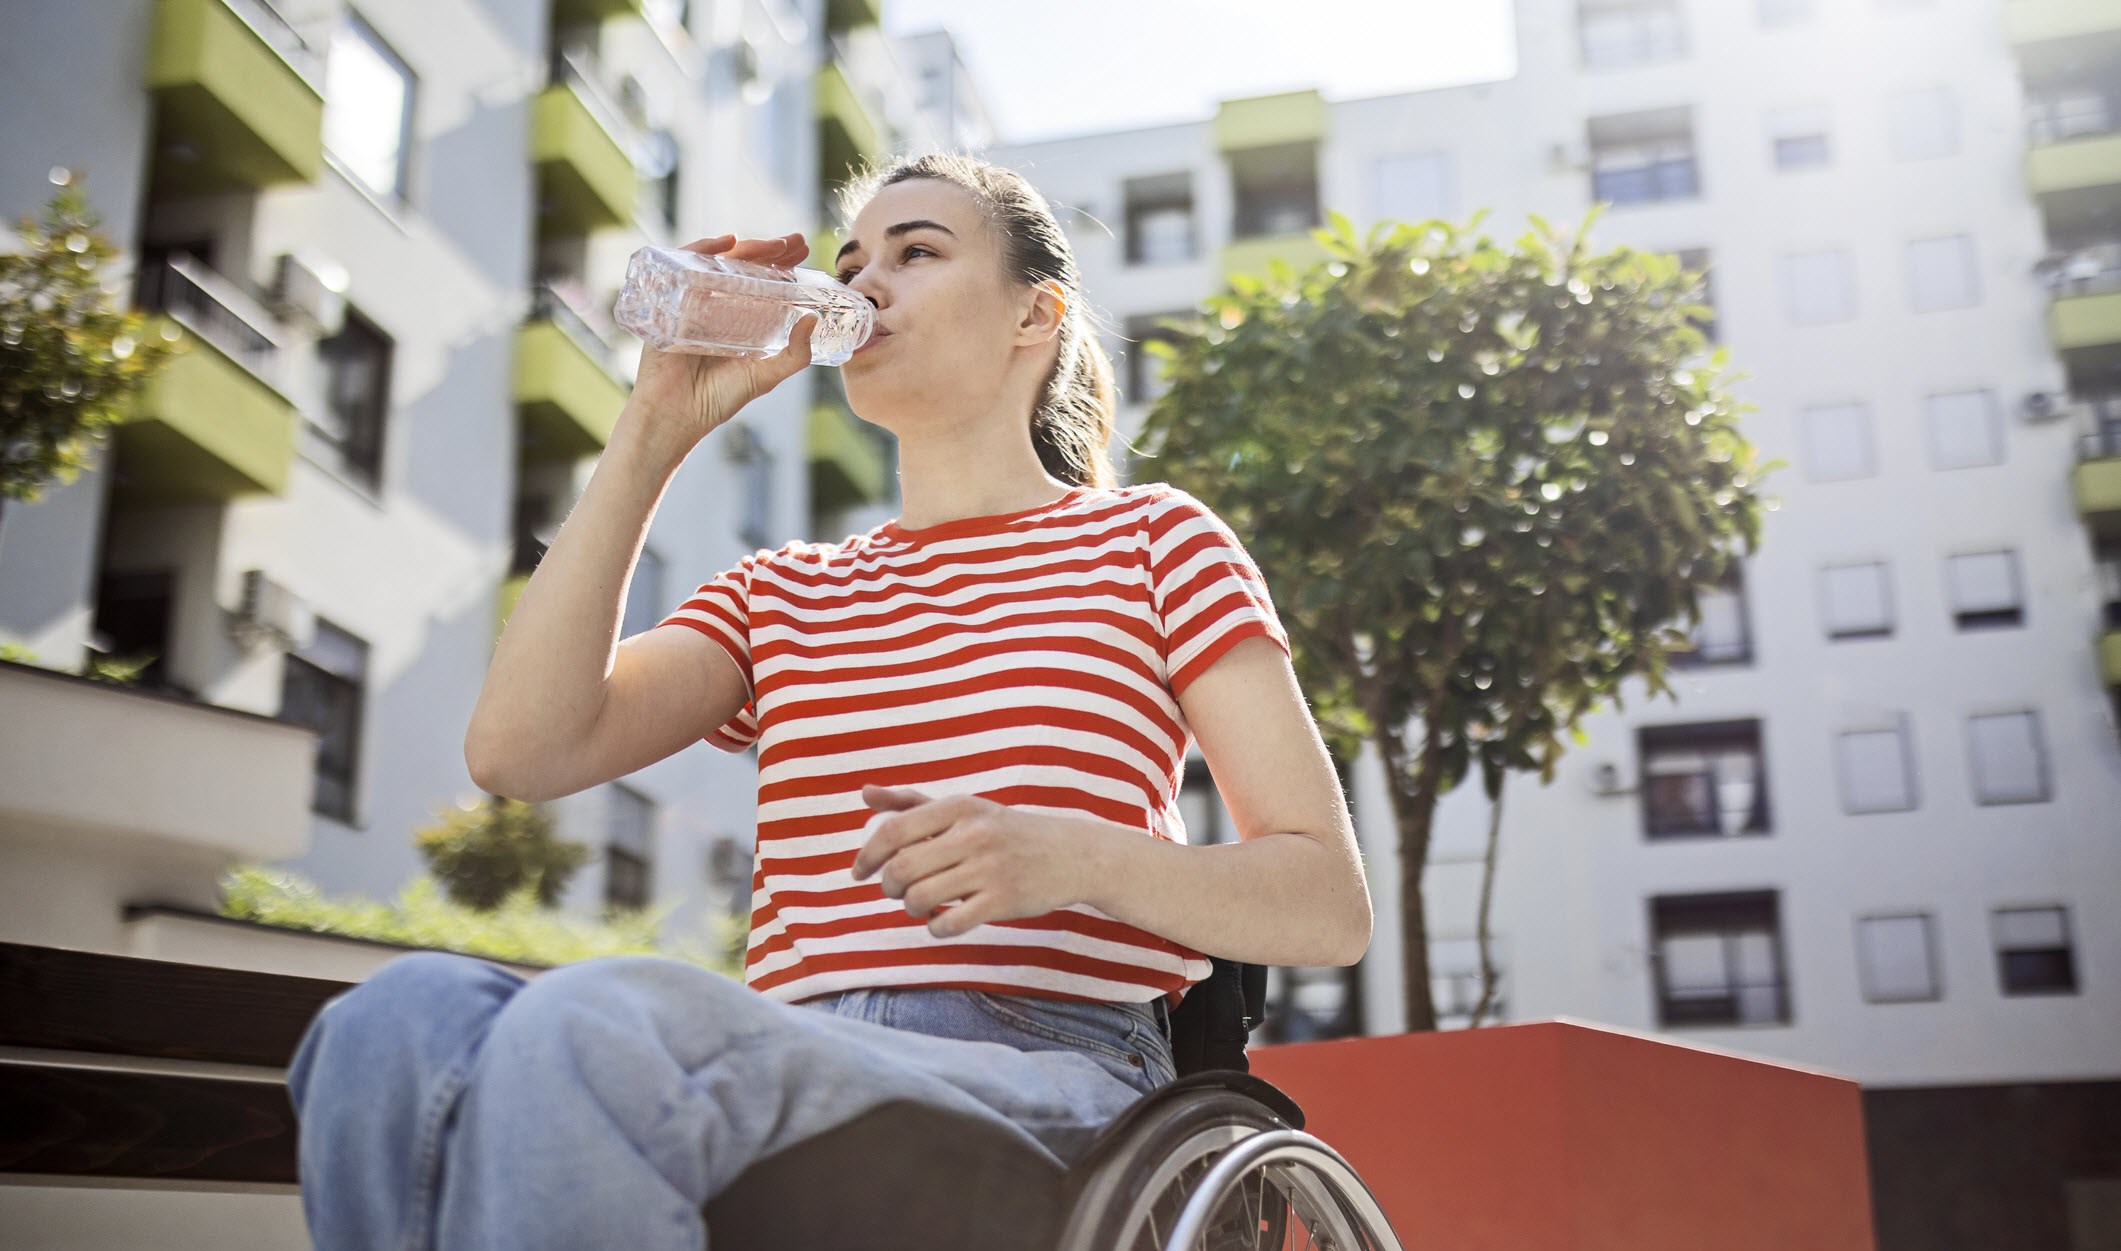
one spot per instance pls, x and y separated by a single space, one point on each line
482 854
1485 487
69 363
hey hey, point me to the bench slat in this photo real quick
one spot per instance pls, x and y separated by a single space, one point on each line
105 1123
125 1005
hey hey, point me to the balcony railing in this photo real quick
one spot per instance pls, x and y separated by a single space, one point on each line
569 68
2089 270
265 20
2103 443
215 309
548 304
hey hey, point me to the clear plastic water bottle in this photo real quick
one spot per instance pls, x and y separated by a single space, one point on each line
682 301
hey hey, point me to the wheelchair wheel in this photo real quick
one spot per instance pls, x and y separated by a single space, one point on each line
1321 1201
1134 1201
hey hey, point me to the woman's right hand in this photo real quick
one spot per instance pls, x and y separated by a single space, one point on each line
685 395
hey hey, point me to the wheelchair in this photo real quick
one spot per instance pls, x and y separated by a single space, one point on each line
1214 1161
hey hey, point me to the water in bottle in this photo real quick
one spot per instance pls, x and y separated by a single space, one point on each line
682 301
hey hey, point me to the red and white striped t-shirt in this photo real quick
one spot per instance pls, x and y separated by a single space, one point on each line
1034 658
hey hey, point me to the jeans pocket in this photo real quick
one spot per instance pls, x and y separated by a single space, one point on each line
1104 1029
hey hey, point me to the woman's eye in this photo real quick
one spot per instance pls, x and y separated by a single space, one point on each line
847 275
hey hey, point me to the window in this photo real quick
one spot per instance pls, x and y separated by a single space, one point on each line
1876 770
1144 372
1276 189
1800 135
629 849
1696 260
368 108
1160 220
1856 601
1454 981
1414 188
1818 288
1646 171
356 404
755 461
1718 960
1922 124
1722 637
1618 34
1312 1004
657 164
2066 113
322 687
1897 956
2034 955
644 595
1965 429
1200 807
1985 591
1941 274
1705 779
2106 559
2009 759
1837 442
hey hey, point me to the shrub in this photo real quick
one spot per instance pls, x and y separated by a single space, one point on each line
480 855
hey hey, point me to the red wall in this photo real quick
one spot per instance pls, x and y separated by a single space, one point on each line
1570 1137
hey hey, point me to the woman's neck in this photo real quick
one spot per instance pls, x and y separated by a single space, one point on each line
948 480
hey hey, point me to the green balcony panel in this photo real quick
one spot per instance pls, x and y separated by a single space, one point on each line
506 599
2097 486
575 12
847 135
204 429
586 181
1250 256
1264 121
843 15
846 466
825 245
568 400
2038 21
2074 165
236 110
2085 321
2110 657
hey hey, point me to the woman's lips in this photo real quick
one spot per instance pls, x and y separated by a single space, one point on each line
872 341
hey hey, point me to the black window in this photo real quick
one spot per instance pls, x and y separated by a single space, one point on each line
1276 189
1703 779
356 398
2034 955
1160 220
1722 637
322 688
1718 959
629 849
1144 373
132 623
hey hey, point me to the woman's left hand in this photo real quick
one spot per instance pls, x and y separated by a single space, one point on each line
1002 862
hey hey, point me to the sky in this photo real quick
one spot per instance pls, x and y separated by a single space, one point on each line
1047 69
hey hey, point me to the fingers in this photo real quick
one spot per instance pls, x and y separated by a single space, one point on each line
787 250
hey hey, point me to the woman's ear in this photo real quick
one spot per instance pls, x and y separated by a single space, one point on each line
1049 308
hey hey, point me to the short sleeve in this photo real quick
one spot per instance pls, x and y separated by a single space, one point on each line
721 610
1209 594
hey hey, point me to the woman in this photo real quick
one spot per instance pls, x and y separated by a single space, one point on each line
972 887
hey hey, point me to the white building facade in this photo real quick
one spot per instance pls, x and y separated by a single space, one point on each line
1879 831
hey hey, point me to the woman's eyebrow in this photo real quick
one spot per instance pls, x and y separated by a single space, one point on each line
893 232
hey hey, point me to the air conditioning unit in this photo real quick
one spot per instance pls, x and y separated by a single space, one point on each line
1569 154
1607 779
2039 406
271 615
310 289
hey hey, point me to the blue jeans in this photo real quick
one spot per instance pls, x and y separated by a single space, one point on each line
449 1102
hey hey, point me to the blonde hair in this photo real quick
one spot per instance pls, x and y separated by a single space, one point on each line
1072 422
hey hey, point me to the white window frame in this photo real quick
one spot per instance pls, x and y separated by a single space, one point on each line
1990 790
1866 966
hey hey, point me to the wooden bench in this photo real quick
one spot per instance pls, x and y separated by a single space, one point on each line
133 1071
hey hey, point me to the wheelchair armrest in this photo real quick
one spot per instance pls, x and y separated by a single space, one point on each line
903 1176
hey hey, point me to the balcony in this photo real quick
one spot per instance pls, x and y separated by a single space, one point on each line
2074 163
590 12
846 466
845 15
1269 121
586 179
2042 21
1253 256
238 106
849 133
2096 481
565 391
110 796
2110 657
214 425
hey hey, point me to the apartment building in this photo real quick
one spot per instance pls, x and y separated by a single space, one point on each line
1879 830
390 234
